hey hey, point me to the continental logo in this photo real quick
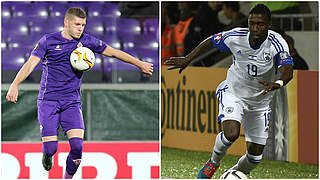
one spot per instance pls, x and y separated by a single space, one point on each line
188 109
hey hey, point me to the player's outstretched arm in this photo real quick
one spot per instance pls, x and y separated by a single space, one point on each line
286 75
145 67
23 73
183 62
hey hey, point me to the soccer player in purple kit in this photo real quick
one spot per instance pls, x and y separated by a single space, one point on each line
59 95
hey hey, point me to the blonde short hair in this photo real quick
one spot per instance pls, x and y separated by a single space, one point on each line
75 11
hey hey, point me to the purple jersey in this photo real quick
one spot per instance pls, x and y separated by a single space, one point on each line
59 81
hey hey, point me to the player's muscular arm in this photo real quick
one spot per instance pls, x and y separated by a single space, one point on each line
183 62
24 72
286 75
145 67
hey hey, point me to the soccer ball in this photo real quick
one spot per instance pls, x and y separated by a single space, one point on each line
233 174
82 59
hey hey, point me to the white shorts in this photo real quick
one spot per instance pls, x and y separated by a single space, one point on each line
255 121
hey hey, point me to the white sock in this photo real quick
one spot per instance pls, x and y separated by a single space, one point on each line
247 163
220 148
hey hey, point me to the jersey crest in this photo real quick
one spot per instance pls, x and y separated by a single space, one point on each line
267 56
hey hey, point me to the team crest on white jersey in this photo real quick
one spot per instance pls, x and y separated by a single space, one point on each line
79 44
267 56
229 109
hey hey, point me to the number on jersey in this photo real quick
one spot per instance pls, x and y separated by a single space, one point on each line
252 70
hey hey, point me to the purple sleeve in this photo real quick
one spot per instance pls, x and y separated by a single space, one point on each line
97 45
41 48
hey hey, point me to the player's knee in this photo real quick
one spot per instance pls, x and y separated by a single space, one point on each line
50 147
255 149
231 135
76 145
231 130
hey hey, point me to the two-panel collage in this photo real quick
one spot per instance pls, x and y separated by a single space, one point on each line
159 90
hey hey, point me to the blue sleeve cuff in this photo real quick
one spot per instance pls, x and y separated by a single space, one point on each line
218 42
284 58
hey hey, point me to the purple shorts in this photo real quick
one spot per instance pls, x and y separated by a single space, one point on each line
51 114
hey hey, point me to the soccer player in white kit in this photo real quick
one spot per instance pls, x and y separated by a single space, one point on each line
261 64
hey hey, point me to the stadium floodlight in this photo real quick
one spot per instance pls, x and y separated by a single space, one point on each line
116 45
43 13
131 44
57 14
137 28
95 13
98 60
155 44
100 28
20 60
6 14
37 29
23 29
15 45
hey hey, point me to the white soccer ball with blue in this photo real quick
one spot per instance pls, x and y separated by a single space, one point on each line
233 174
82 59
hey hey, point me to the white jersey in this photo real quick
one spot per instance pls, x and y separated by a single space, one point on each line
251 64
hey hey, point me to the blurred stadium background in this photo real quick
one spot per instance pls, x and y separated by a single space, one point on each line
188 103
120 104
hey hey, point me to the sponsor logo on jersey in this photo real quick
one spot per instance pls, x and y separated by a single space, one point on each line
58 48
217 38
284 57
267 57
79 44
229 109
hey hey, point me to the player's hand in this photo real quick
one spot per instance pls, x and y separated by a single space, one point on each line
269 86
177 62
12 94
146 68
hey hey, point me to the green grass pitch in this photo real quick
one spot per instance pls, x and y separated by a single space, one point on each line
183 164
